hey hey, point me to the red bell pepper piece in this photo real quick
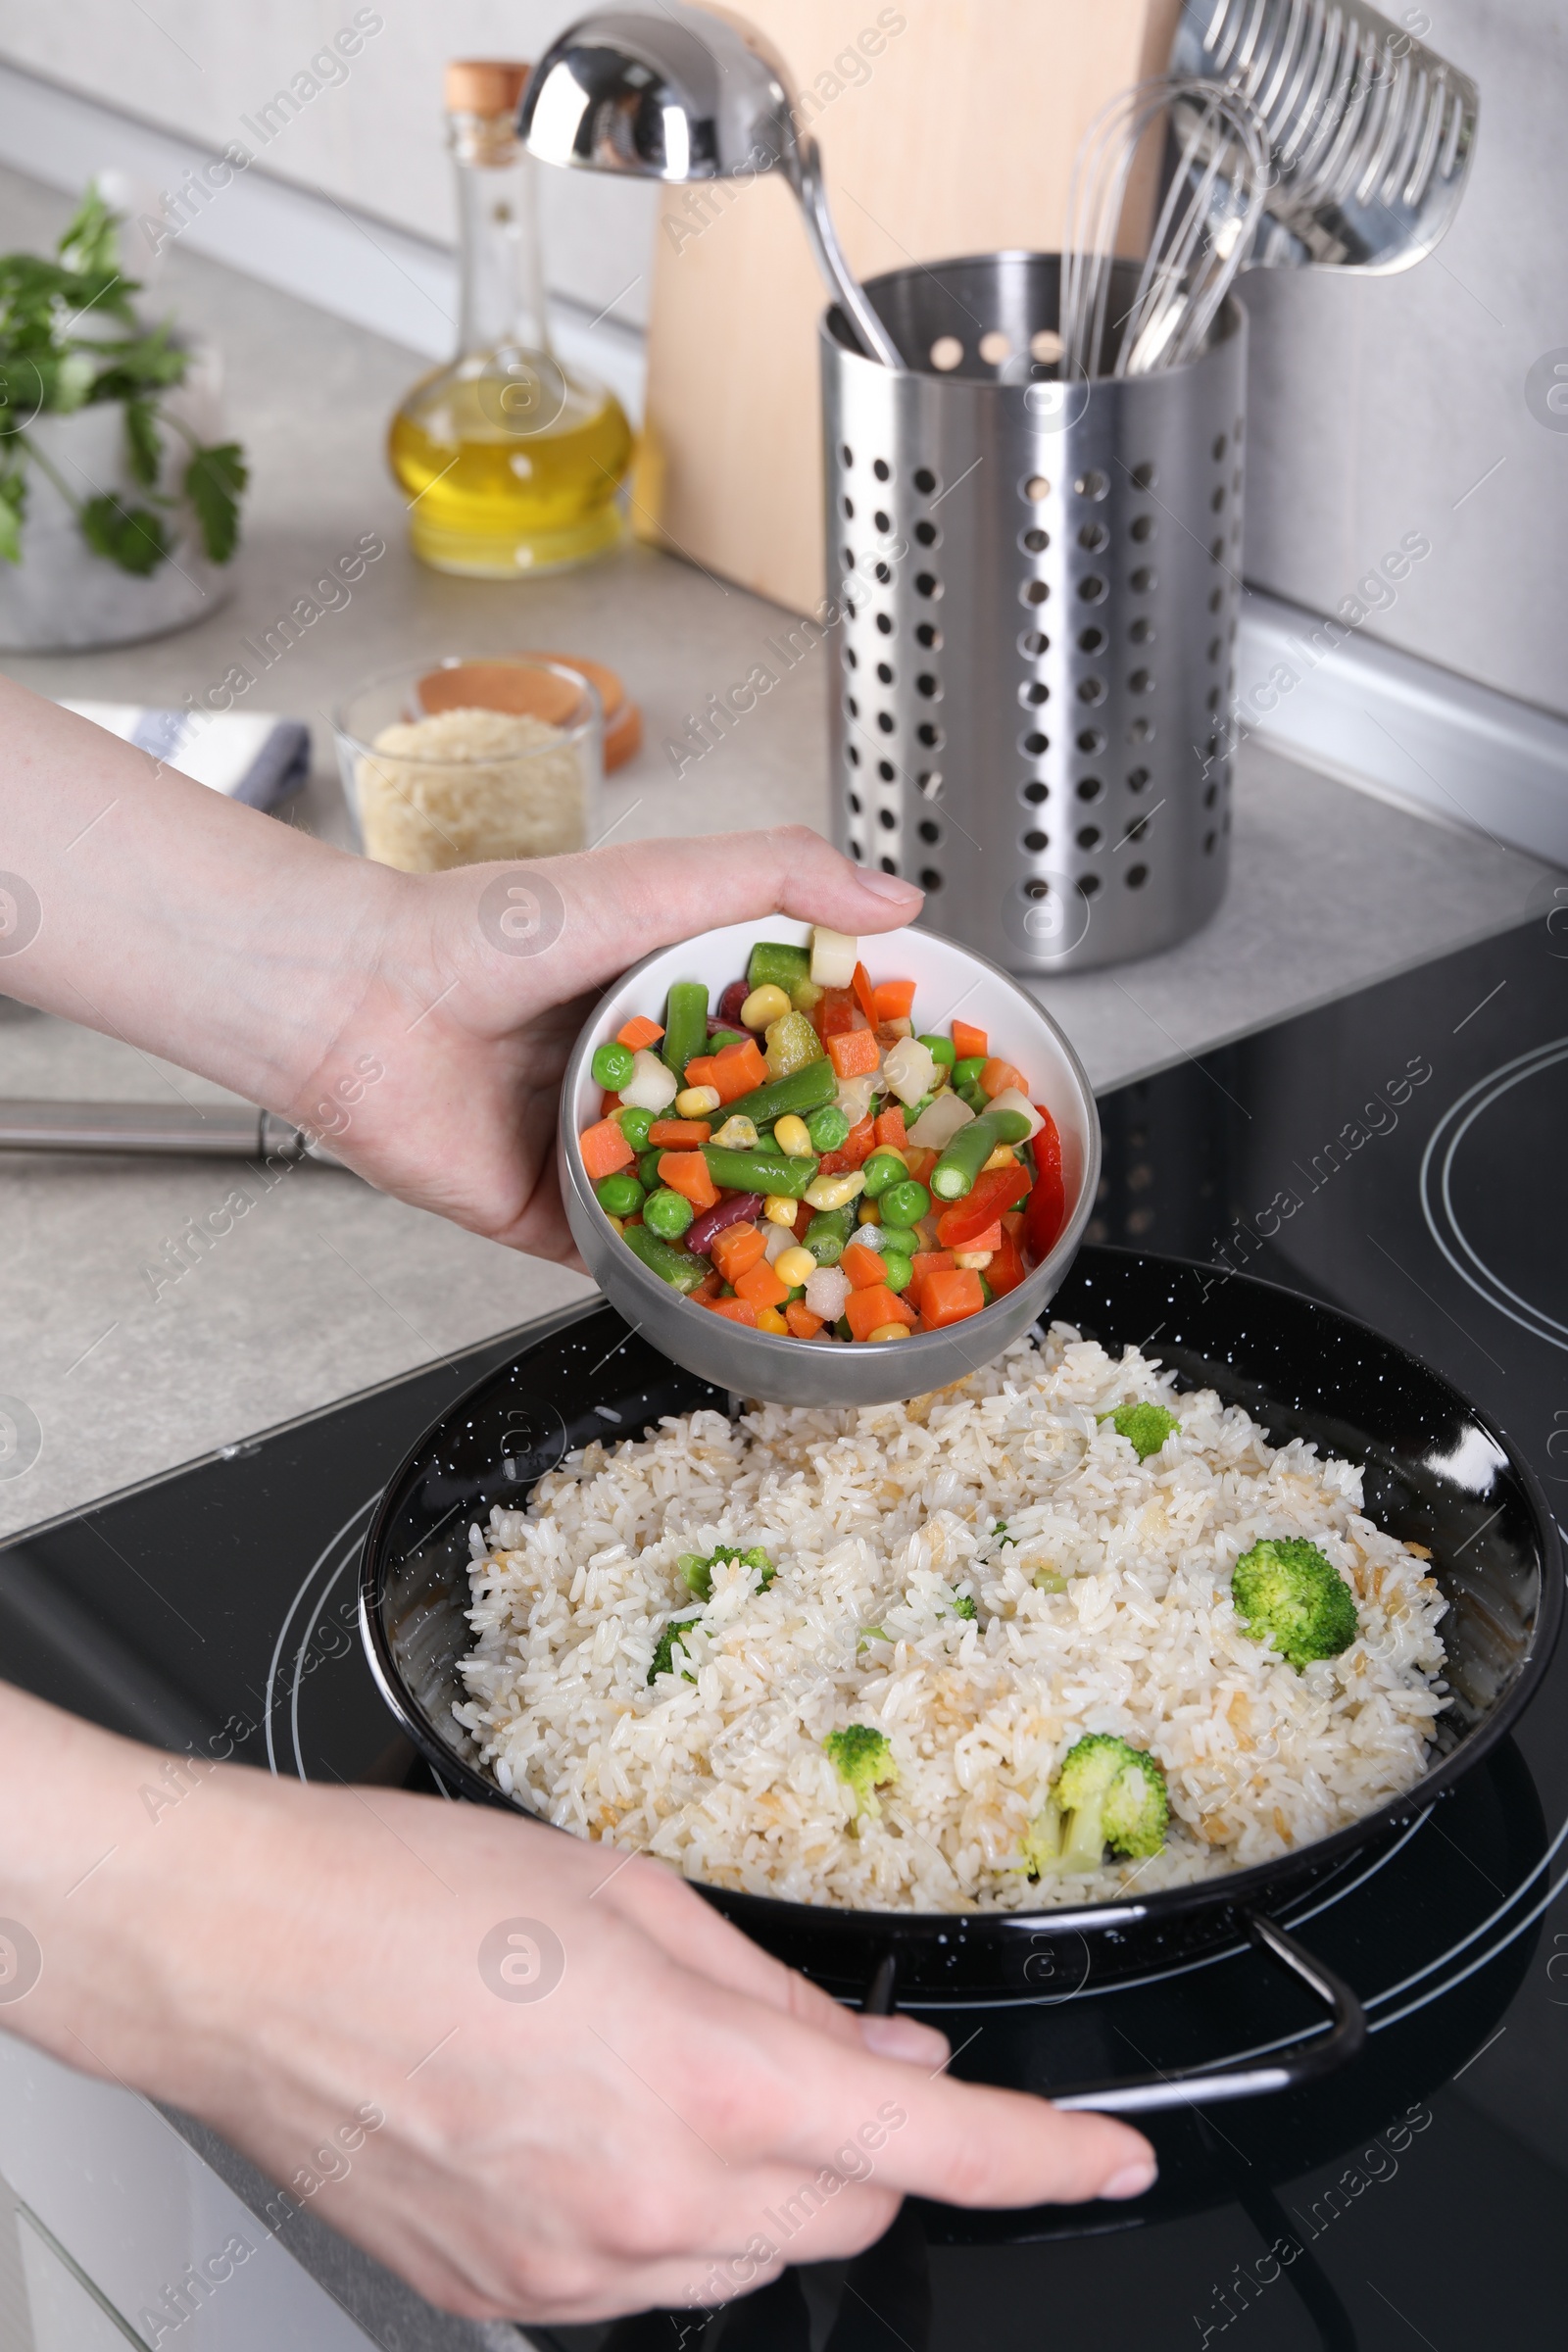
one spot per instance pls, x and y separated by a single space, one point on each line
995 1190
1047 1213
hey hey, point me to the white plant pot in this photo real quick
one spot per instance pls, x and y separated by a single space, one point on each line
61 598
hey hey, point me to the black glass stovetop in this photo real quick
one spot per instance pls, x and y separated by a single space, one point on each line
1400 1152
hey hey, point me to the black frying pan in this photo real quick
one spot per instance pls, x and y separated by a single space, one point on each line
1437 1472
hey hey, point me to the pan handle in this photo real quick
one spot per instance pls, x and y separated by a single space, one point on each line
1307 2062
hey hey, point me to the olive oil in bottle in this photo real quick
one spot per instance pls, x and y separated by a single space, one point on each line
509 460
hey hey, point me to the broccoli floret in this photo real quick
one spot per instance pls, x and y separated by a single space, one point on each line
1146 1427
1110 1793
963 1605
863 1761
1293 1596
696 1568
663 1661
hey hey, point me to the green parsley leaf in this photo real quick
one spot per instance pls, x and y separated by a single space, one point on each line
213 480
144 449
132 537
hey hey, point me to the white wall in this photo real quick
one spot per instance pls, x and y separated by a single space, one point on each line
373 141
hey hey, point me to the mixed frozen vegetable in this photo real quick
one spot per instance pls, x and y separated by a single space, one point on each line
803 1160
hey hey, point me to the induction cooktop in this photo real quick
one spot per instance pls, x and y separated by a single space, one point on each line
1399 1152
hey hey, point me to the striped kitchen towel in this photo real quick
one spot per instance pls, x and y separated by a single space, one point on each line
249 756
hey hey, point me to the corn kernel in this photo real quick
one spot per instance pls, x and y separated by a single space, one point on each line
870 1211
835 1191
620 1223
795 1266
974 1261
764 1005
779 1208
1003 1156
889 1331
737 1133
696 1102
769 1319
792 1137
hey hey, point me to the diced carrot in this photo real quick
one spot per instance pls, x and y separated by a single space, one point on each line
737 1310
860 982
926 1262
853 1052
890 1131
949 1297
1005 1270
733 1072
867 1309
605 1150
669 1132
761 1286
686 1173
608 1104
994 1189
737 1248
892 999
921 1162
864 1269
860 1144
638 1032
1012 1222
998 1075
969 1042
800 1320
833 1164
707 1288
835 1016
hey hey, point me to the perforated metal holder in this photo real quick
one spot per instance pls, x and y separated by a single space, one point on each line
1037 585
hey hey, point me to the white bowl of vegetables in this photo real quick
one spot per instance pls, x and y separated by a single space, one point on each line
821 1170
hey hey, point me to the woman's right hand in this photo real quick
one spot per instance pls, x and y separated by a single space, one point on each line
538 2078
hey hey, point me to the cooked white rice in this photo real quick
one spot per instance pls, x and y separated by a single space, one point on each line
876 1518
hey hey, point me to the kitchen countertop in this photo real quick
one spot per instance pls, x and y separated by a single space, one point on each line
329 1286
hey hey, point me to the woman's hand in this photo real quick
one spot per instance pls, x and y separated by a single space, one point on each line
466 998
539 2078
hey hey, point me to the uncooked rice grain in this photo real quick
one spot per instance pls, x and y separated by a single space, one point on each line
466 785
877 1519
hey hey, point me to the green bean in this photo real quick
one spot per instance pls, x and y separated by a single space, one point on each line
677 1267
828 1232
961 1162
685 1025
774 964
804 1089
758 1171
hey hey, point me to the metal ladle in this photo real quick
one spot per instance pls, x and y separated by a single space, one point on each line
690 94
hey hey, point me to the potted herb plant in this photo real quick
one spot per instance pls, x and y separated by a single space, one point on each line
118 496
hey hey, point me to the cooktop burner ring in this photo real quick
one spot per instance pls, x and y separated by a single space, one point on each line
1437 1189
338 1555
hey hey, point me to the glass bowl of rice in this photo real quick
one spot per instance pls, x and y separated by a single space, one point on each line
467 759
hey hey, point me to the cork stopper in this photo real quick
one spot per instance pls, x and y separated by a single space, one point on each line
485 85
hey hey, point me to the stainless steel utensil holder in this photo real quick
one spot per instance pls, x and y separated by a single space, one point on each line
1035 588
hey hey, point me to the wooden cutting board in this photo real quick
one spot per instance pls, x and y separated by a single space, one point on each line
947 127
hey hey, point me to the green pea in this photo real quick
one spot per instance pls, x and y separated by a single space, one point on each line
618 1195
726 1037
648 1167
966 1072
906 1204
882 1169
667 1214
899 1273
828 1128
634 1123
901 1240
940 1049
611 1066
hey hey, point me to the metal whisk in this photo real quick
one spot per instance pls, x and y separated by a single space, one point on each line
1215 186
1370 132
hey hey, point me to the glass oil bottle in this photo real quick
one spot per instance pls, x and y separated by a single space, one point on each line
509 460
